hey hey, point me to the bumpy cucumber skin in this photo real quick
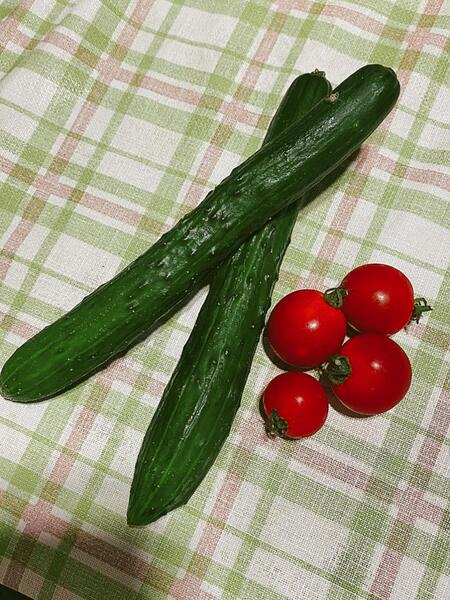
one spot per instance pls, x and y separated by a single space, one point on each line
196 411
123 311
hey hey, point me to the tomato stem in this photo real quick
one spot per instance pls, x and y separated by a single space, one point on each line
276 426
338 369
335 296
420 306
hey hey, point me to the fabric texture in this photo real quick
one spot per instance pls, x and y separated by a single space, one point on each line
116 118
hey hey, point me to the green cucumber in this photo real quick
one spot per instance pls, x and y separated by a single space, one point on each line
195 414
123 311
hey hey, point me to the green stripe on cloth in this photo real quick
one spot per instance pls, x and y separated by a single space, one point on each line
116 118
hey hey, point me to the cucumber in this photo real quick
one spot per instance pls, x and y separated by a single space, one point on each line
123 311
194 416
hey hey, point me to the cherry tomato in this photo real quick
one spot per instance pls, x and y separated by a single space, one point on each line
379 299
304 330
296 405
380 374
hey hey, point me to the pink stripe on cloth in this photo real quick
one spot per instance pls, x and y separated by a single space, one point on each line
221 510
111 554
236 113
117 371
49 184
81 429
62 40
19 327
312 280
386 575
440 421
120 371
18 236
210 159
14 574
265 47
417 39
433 7
354 18
79 433
107 70
22 40
428 453
232 112
9 26
226 497
260 58
194 195
166 90
189 587
5 264
111 209
430 512
331 466
39 518
410 501
428 176
140 13
416 330
61 470
285 6
130 30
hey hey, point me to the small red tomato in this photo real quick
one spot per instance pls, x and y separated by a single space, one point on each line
377 299
304 330
380 374
296 405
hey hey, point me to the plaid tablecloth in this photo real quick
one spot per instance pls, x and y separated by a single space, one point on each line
116 118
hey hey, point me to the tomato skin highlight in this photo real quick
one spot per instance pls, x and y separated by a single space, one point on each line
299 400
380 374
379 299
304 330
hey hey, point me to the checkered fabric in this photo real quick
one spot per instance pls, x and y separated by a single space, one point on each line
116 118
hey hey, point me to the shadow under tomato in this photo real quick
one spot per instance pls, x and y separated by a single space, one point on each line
262 412
277 361
263 415
336 403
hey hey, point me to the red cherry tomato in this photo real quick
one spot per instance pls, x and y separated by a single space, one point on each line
296 405
304 330
379 299
380 374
